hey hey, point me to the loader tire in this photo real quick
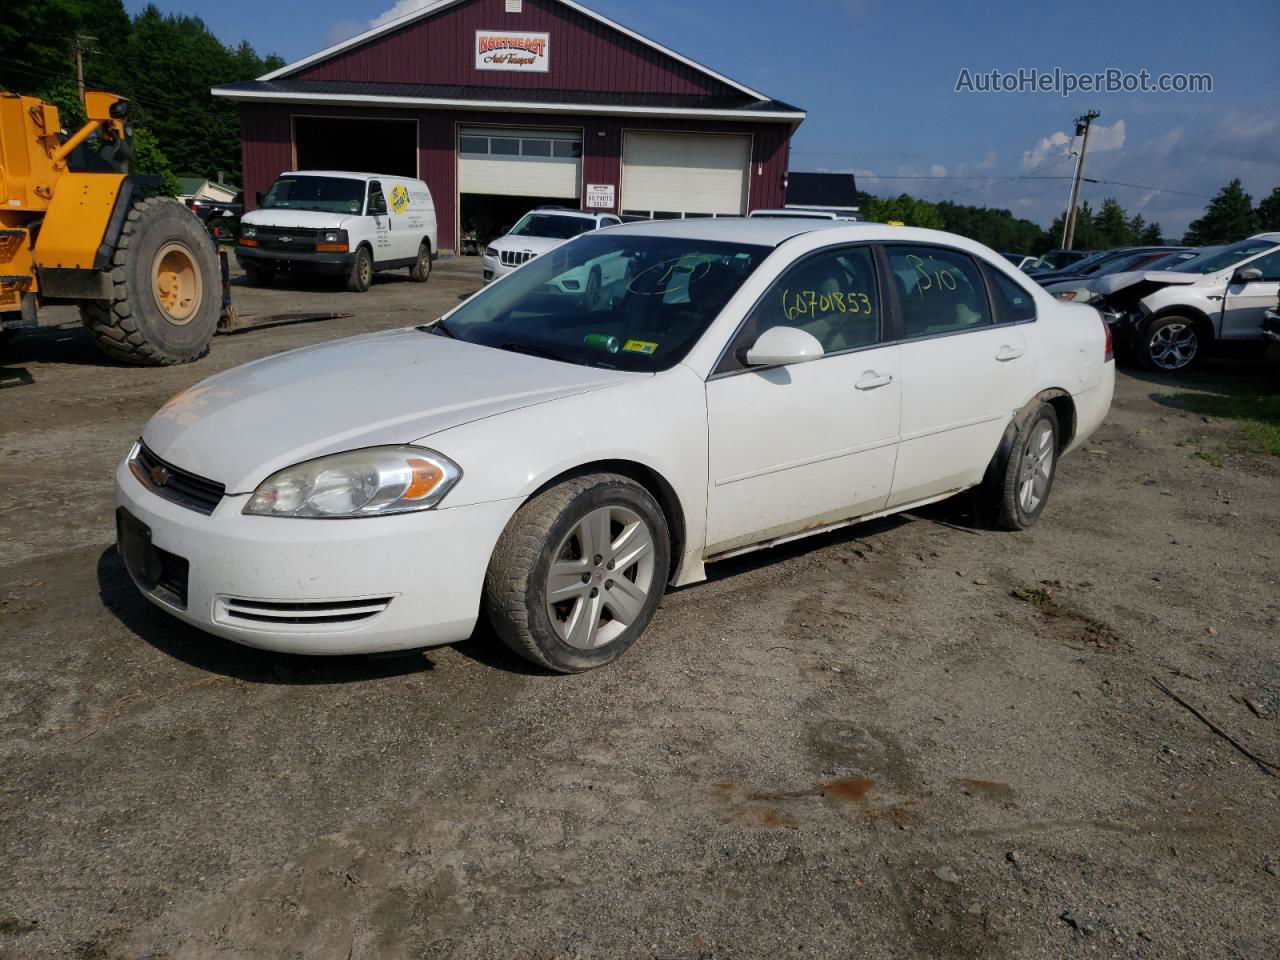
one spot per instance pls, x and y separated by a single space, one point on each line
167 282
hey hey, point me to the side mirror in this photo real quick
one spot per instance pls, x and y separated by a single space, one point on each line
780 346
259 197
1247 275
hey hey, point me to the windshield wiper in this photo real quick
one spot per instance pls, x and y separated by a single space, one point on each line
535 351
438 324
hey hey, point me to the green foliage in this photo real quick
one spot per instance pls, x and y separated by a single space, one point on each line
1269 211
165 64
998 229
1229 217
149 159
909 210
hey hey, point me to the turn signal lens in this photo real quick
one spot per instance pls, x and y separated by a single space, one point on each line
248 242
362 483
1067 295
331 248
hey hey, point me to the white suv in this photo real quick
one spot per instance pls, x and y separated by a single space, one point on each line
537 232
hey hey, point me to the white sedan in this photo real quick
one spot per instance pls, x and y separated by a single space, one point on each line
552 464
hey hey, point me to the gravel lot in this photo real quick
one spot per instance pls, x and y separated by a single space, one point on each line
912 739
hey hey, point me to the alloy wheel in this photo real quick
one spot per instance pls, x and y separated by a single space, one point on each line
600 577
1173 346
1037 467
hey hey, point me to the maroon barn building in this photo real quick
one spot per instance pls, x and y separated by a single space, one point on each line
501 105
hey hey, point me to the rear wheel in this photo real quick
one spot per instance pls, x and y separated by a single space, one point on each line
165 278
1021 489
420 272
1170 344
579 573
361 275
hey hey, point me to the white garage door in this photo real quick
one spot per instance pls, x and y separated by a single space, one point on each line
685 173
512 162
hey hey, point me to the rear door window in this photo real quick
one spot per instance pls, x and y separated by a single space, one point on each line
941 290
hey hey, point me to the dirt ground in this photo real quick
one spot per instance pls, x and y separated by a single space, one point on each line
911 739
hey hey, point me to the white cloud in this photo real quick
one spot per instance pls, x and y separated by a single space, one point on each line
1058 144
938 170
397 10
345 30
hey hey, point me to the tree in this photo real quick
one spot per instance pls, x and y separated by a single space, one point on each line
149 159
1111 228
1084 238
1228 217
1269 211
905 208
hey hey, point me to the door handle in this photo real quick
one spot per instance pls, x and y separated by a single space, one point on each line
1008 353
870 380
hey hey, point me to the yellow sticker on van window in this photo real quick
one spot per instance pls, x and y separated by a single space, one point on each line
640 346
399 198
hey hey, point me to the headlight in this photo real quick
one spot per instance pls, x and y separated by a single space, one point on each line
491 251
362 483
334 236
248 231
1067 295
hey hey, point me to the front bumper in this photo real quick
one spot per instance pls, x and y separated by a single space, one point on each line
494 269
281 261
317 586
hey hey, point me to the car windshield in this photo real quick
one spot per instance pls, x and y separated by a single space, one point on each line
326 194
553 225
1120 264
620 301
1174 261
1212 262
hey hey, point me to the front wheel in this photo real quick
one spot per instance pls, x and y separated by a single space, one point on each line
361 275
1169 344
579 573
1022 488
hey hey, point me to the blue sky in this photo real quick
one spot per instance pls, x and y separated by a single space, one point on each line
878 78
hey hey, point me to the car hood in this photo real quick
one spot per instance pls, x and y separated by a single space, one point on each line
241 426
533 244
314 219
1118 281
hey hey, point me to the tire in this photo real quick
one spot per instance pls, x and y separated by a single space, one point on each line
598 619
361 276
1170 344
420 272
166 288
258 276
1022 486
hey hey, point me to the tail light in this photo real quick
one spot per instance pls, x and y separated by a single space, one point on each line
1110 351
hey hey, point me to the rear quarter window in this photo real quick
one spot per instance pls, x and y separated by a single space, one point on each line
1013 302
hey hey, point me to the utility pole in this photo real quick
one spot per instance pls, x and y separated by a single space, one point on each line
1082 130
79 55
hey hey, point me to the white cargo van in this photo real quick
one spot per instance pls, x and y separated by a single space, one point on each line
336 222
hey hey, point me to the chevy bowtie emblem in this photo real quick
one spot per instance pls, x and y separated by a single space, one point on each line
286 239
160 476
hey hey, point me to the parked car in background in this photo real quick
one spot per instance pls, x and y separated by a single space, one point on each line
537 232
806 214
1167 319
218 205
553 465
1020 260
1091 264
1056 260
342 223
1078 289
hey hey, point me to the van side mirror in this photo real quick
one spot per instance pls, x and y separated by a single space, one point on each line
1247 275
780 346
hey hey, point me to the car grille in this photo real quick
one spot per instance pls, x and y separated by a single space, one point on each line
514 258
175 484
299 613
290 239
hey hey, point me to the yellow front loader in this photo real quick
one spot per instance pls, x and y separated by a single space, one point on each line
75 229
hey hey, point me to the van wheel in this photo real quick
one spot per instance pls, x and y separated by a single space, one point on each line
420 272
361 275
